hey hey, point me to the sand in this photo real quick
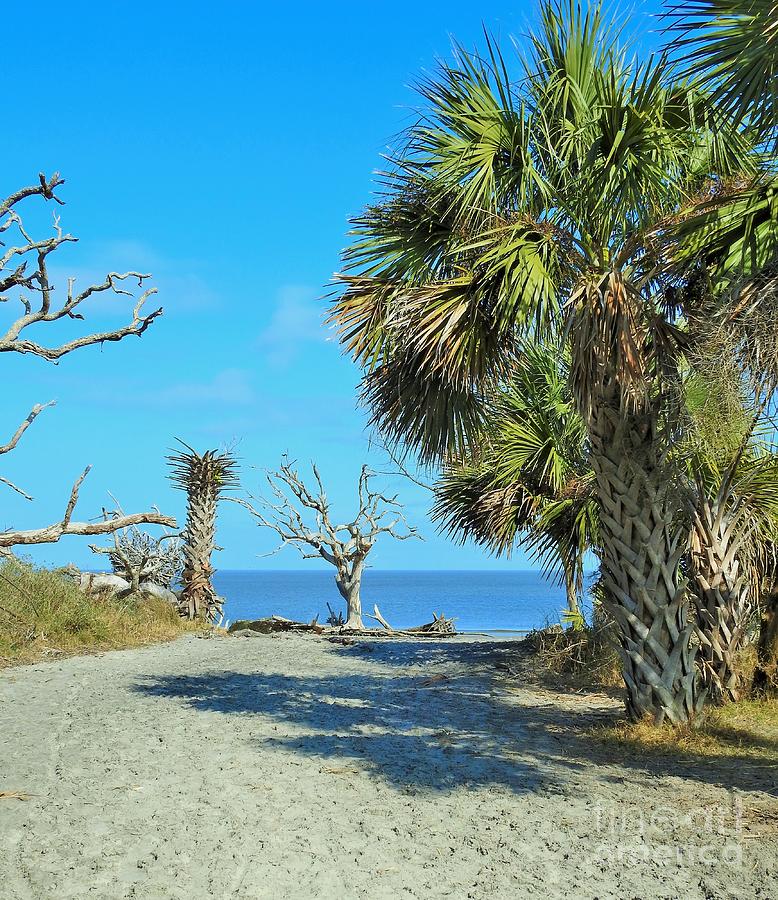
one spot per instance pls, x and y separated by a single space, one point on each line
289 767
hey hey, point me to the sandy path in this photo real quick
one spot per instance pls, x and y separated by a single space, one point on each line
290 767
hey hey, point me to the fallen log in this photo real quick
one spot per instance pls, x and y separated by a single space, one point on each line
440 626
275 624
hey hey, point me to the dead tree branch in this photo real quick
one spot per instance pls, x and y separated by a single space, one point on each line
139 557
398 460
34 413
6 448
109 524
24 277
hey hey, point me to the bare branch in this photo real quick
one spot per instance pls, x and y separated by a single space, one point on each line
54 532
399 462
24 272
34 413
45 188
344 546
15 487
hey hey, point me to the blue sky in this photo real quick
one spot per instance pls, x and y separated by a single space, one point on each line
222 149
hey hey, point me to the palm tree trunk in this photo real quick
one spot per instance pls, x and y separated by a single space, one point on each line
642 550
766 674
570 590
722 599
204 477
199 596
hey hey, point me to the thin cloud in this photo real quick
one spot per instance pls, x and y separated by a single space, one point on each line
295 324
230 387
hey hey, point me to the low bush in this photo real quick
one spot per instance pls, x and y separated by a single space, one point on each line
581 654
746 729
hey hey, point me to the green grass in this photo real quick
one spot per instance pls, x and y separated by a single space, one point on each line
43 614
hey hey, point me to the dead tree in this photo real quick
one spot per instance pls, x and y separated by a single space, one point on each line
139 557
302 518
107 525
25 279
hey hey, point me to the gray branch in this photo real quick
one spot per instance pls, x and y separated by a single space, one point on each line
342 545
24 275
110 523
34 413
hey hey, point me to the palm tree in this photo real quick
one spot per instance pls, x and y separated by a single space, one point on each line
730 525
732 46
519 210
526 479
733 486
205 477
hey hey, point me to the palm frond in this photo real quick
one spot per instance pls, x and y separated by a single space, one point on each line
423 410
213 471
732 45
734 231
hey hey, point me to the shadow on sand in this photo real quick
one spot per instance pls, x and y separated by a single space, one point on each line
434 731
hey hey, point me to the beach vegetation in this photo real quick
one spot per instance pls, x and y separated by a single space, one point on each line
524 479
594 201
206 478
45 615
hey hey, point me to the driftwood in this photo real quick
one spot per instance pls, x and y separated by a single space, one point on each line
274 624
97 582
440 626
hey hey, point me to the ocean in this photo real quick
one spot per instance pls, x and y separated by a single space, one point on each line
478 600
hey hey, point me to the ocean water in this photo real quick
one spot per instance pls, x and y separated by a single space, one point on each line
480 601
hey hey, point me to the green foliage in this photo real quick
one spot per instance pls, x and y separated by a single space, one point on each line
732 47
505 211
573 619
525 478
211 472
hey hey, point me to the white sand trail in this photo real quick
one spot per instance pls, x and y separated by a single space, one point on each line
290 767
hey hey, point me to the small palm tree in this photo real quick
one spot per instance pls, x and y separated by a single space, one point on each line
526 479
205 477
733 485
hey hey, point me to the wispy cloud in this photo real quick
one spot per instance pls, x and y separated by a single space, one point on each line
230 387
295 324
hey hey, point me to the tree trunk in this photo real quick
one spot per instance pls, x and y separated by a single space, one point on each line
349 585
198 595
766 673
642 550
571 592
722 600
